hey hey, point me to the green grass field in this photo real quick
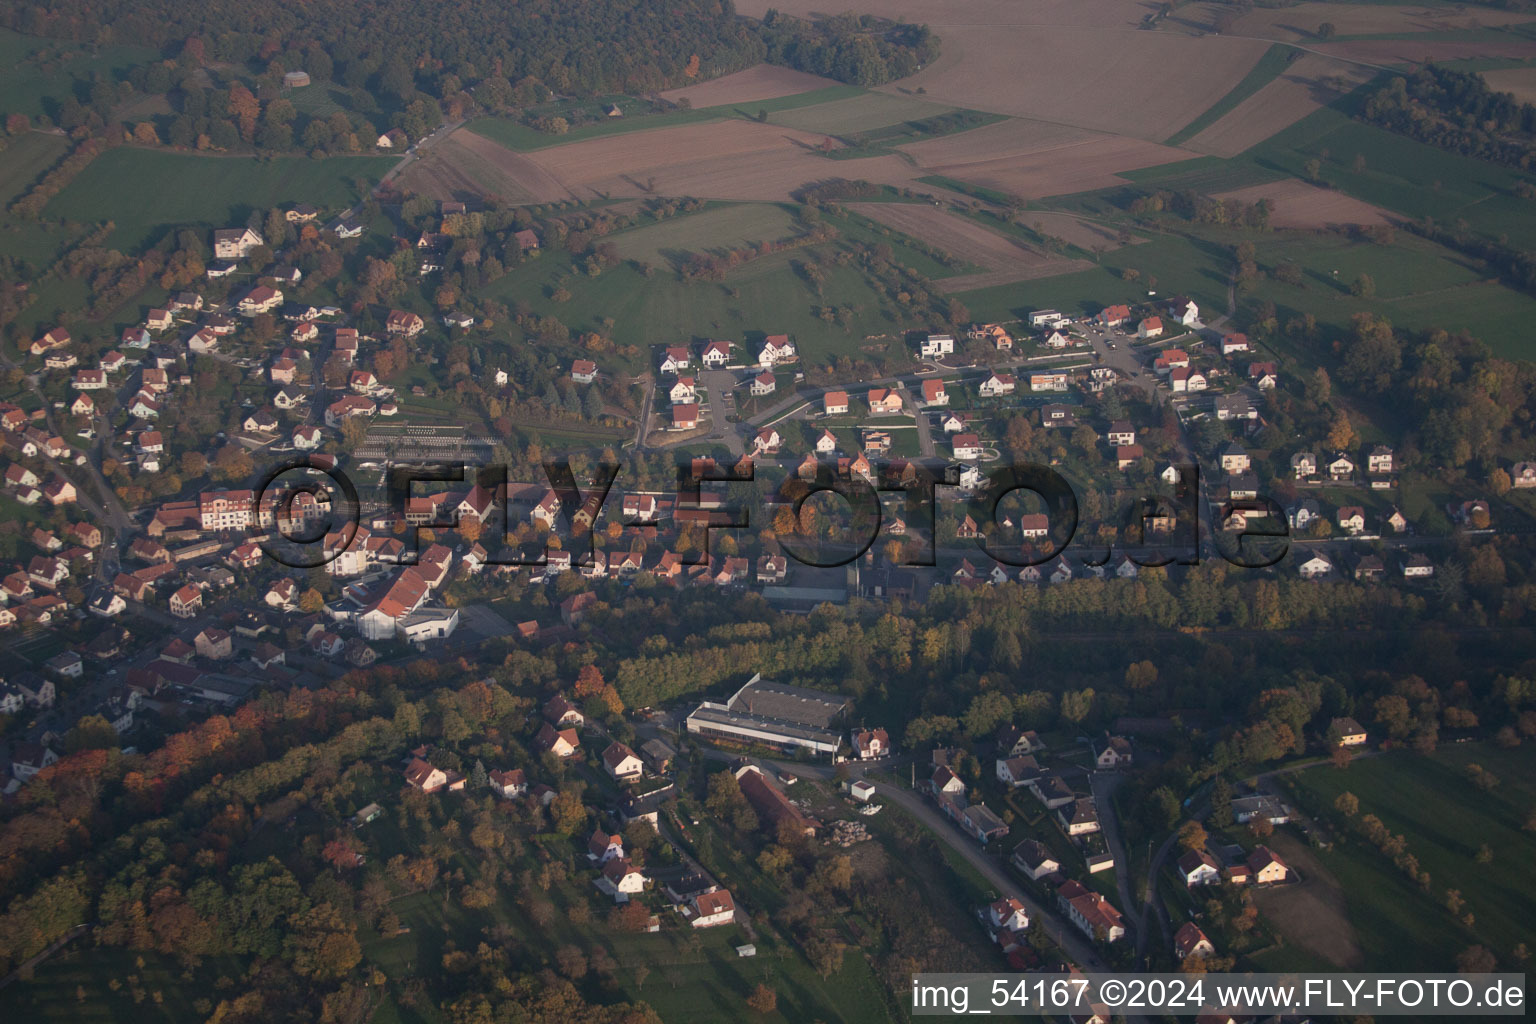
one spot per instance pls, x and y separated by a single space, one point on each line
719 227
1444 819
1274 61
861 113
524 139
25 159
765 296
37 74
1419 285
1180 266
1401 174
173 189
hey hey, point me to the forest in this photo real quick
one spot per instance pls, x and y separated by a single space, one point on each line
1457 111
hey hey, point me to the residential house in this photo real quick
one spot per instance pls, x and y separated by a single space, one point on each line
884 401
1189 941
777 348
235 243
716 354
711 909
1111 752
1315 566
1093 915
510 783
621 879
1198 868
564 743
685 416
997 384
621 763
583 371
1017 771
1113 316
1233 407
186 602
763 384
1080 817
1034 859
934 393
1266 867
404 322
675 359
422 775
936 345
870 743
835 403
1303 465
260 299
1151 327
213 643
1346 732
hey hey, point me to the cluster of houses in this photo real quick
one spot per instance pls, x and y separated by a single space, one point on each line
1262 866
682 388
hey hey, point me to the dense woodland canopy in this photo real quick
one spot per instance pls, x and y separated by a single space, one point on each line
396 47
1456 110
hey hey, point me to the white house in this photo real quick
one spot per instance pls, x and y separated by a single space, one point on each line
936 345
777 348
997 384
1199 868
1315 567
621 762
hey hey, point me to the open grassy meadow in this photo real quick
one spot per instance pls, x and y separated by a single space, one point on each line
722 227
173 190
1400 174
524 139
1444 819
1419 285
25 159
36 75
766 296
861 113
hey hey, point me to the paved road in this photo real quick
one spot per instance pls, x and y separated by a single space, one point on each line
1103 786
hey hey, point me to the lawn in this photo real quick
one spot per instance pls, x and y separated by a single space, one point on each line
1444 818
861 113
1401 174
523 139
766 296
35 87
720 227
77 986
175 190
1178 265
1269 67
27 158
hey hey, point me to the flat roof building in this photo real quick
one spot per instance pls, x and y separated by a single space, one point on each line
774 715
